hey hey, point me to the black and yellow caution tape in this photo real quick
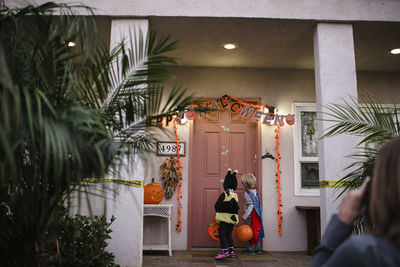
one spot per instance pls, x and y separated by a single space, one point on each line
334 184
129 182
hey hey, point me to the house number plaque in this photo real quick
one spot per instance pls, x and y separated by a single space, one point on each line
169 149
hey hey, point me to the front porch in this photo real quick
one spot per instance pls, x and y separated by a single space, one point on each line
205 257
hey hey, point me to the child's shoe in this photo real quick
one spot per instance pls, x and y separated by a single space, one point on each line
232 253
258 251
249 252
224 254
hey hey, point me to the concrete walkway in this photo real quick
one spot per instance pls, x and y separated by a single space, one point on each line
197 258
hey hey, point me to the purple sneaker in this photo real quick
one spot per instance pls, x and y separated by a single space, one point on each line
222 255
232 254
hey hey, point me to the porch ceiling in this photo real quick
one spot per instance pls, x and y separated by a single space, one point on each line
267 43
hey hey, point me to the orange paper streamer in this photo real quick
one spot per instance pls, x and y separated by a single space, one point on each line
278 180
179 224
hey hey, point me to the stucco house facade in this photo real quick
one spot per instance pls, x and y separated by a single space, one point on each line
297 56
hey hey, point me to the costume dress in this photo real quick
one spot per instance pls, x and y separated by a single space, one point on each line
253 212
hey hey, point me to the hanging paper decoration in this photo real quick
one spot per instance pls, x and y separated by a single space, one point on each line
255 113
278 180
170 173
290 119
179 224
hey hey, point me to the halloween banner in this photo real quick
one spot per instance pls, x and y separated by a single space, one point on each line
266 114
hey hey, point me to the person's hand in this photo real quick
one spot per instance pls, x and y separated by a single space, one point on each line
351 206
244 217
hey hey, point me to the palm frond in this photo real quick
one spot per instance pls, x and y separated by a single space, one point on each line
361 168
374 122
138 66
127 85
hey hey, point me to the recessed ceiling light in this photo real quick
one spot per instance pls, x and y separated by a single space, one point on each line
71 44
229 46
395 51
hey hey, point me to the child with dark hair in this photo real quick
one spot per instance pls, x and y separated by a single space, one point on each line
226 216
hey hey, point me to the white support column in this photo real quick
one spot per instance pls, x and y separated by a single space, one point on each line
120 29
335 77
127 235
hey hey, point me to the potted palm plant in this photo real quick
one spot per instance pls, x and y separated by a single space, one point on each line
375 124
66 114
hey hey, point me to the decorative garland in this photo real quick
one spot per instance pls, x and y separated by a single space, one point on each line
223 100
169 172
246 110
278 180
179 224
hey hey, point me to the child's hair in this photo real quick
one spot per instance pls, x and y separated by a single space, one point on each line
249 180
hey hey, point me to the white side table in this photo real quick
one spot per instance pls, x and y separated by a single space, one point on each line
159 210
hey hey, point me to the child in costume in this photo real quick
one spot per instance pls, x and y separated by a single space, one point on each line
226 216
252 213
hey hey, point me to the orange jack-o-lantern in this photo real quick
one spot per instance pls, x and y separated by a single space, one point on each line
153 193
212 230
244 233
290 119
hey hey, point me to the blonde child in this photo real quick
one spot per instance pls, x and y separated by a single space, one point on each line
252 213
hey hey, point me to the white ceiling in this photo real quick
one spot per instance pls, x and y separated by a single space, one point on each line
267 43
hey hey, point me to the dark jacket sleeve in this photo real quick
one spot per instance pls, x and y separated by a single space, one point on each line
235 206
339 248
336 233
220 202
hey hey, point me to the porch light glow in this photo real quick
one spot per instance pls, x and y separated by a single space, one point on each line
395 51
229 46
184 120
266 110
71 44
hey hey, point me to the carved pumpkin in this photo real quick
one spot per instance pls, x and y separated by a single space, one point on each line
244 233
212 230
290 119
153 193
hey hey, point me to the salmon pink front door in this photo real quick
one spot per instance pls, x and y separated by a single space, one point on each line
222 140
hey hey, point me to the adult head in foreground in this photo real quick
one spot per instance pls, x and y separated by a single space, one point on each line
381 245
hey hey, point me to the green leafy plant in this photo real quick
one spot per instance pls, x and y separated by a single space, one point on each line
374 123
67 114
82 241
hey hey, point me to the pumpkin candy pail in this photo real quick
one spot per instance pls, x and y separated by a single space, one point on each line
213 230
153 193
244 233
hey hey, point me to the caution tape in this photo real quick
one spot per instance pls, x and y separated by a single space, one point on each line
129 182
334 184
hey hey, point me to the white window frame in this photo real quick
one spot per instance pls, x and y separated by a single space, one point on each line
298 159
